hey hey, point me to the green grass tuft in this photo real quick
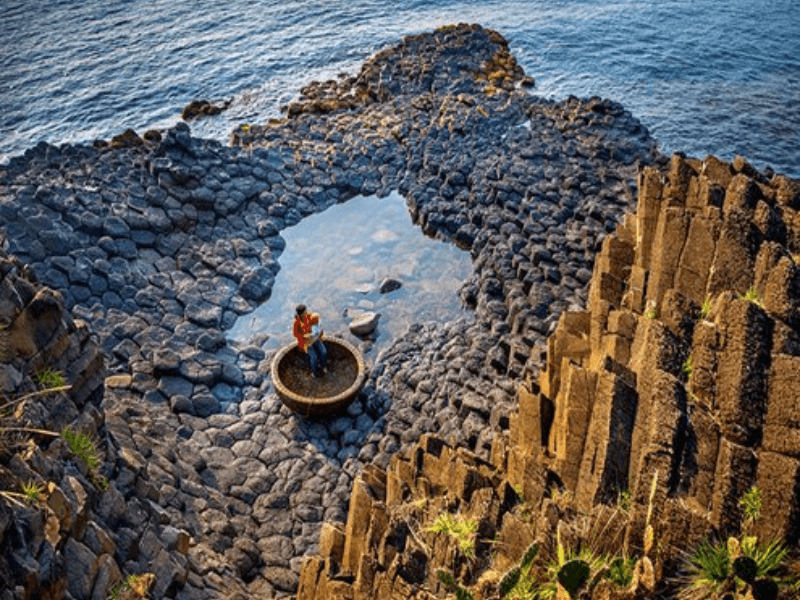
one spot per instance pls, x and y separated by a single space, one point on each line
47 379
705 309
751 295
82 446
462 530
686 368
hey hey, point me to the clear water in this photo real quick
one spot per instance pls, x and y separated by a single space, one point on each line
335 261
704 76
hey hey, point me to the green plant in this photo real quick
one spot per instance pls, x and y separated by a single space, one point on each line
81 445
751 295
560 496
571 570
451 585
133 585
737 563
49 379
716 565
751 507
624 500
461 530
708 570
705 309
620 570
526 511
651 313
768 556
519 582
686 368
32 492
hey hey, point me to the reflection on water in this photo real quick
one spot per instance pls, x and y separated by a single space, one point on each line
335 261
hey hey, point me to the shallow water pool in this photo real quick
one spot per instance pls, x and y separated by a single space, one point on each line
335 262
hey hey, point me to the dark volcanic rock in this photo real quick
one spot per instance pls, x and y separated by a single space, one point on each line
161 246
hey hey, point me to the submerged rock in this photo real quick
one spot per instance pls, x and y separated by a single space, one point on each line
389 285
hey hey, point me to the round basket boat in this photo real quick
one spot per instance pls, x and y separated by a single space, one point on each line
324 396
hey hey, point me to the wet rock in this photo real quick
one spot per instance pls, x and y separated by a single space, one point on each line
257 285
202 108
389 285
364 324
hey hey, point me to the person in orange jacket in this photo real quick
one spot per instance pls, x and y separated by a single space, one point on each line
308 332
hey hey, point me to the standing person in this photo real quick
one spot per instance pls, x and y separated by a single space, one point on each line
308 332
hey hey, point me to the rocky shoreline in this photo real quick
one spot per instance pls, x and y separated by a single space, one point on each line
159 245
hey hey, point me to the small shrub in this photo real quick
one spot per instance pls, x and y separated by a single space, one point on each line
81 445
768 556
713 565
559 496
526 511
751 295
461 530
651 313
31 494
624 500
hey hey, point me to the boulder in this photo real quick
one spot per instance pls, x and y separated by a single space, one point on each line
364 324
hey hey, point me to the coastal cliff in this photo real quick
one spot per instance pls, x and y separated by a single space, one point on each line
158 244
677 390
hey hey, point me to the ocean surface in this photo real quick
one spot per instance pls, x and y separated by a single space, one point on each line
704 76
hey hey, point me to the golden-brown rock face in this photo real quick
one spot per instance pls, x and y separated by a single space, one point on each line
677 390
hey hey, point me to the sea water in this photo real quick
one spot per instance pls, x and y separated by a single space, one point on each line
704 76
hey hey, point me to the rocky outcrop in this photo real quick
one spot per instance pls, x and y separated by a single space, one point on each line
677 387
197 109
163 244
687 352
